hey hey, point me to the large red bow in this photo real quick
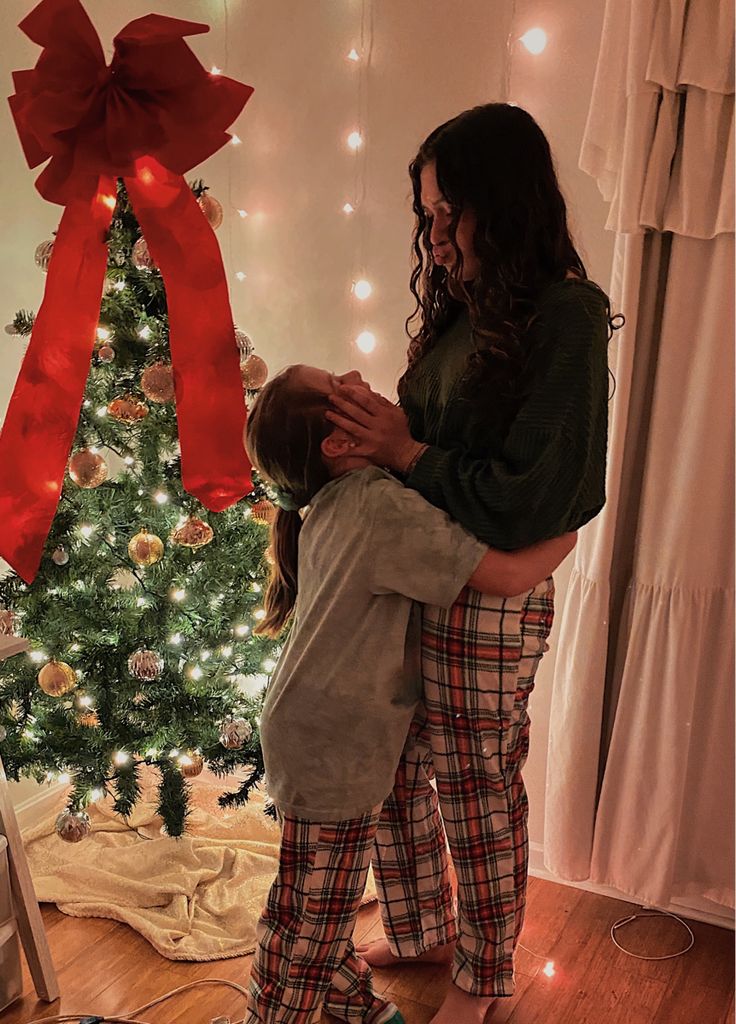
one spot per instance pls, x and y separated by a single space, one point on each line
150 116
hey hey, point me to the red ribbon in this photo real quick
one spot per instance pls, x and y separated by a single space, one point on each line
153 114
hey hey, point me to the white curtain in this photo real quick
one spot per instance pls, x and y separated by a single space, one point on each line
640 787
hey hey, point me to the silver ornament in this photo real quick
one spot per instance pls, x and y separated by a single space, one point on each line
234 732
245 343
60 555
73 826
146 665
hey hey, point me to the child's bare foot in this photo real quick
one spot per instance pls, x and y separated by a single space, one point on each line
378 954
461 1008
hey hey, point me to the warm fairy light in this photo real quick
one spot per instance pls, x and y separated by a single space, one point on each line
101 411
215 70
256 588
85 701
362 289
128 460
353 55
235 140
205 655
152 752
259 614
119 286
178 595
535 40
64 778
161 497
96 794
226 651
145 332
121 757
242 214
348 208
196 672
242 630
109 201
240 275
141 602
549 969
175 752
175 639
86 529
355 140
269 665
102 334
38 656
366 341
185 761
74 647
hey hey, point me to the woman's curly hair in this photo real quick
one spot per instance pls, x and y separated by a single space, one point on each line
495 160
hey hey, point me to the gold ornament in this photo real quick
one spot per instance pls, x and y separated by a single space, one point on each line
7 622
87 469
157 383
127 409
194 533
57 678
106 354
145 665
253 372
263 512
191 765
89 719
244 343
140 257
234 732
44 252
212 209
73 826
146 548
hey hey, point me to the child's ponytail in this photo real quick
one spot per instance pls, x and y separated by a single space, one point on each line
282 588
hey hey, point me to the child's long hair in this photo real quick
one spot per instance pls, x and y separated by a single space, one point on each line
283 440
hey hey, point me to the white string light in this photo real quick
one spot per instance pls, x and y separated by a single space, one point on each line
534 40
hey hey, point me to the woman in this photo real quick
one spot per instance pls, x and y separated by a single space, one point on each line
503 424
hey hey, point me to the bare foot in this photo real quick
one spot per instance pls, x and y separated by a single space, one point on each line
460 1008
377 954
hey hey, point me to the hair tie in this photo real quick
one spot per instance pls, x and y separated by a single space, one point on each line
285 500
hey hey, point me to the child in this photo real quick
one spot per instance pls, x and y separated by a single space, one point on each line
341 700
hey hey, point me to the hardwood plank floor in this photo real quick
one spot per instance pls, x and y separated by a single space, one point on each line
107 968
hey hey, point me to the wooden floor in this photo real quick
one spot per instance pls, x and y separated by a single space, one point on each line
106 968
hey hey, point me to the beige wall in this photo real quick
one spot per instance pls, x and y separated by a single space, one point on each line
293 172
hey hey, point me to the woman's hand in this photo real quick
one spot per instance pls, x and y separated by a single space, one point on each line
379 428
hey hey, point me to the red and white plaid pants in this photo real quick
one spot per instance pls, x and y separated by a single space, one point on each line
479 659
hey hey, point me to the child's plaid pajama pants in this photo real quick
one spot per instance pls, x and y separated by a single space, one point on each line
479 659
305 959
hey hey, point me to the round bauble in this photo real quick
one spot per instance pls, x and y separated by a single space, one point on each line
73 826
157 383
106 353
87 469
263 512
140 257
234 732
43 254
146 548
60 555
191 765
57 678
212 209
146 665
193 533
244 343
253 372
127 409
7 622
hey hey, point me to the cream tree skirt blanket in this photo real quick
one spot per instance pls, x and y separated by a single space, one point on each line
194 898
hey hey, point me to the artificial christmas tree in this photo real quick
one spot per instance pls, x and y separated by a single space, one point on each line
141 615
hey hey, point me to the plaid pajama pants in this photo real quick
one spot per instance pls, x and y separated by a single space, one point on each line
471 735
305 959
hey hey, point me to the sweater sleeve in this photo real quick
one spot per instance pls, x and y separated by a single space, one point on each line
549 476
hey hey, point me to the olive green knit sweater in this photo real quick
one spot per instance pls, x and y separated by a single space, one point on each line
547 475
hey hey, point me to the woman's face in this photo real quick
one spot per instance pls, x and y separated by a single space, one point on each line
440 213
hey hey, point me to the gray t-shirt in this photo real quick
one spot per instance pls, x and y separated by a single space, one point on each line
341 700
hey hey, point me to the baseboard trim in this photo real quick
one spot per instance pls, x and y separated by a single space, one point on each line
681 908
35 808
